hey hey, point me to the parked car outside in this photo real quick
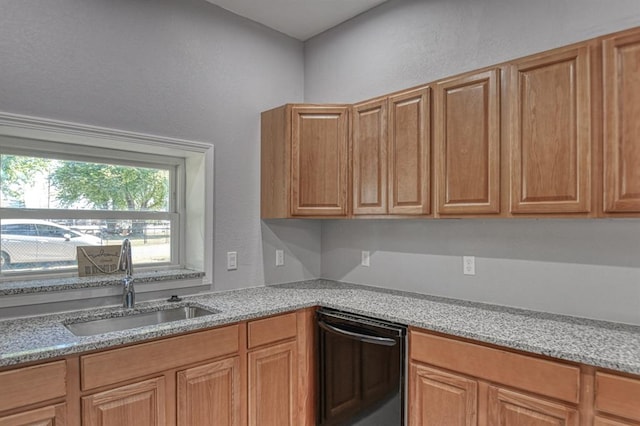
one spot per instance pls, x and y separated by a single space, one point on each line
36 241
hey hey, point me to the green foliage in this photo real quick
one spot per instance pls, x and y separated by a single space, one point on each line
18 171
110 187
90 185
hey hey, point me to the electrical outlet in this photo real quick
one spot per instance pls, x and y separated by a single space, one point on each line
469 265
366 259
232 260
279 257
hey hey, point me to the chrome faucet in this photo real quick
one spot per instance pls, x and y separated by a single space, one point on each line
125 265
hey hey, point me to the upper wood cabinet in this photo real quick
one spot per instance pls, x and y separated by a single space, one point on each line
552 134
409 152
304 156
550 118
467 144
391 145
370 160
621 76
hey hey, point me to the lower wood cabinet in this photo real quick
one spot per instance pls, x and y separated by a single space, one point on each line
261 373
140 404
459 383
509 408
455 382
617 400
281 373
441 398
23 388
210 394
272 385
53 415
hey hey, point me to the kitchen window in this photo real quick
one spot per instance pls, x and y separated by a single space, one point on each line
54 201
67 185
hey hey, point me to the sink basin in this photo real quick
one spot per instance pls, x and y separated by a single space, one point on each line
93 327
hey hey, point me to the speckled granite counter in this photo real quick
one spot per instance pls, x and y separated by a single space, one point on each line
602 344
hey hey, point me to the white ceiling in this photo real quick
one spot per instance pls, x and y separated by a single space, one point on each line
301 19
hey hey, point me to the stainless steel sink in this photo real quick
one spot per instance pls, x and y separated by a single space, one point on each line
93 327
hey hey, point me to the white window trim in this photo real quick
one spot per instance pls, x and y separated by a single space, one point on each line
198 156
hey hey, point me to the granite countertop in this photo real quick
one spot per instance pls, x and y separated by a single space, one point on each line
597 343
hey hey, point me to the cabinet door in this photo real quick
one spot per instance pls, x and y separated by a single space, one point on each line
210 394
138 404
369 145
319 139
507 408
410 152
550 135
53 415
440 398
272 386
467 144
621 124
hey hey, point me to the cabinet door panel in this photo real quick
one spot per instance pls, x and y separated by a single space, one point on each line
467 141
319 161
507 408
441 398
138 404
370 157
54 415
550 136
210 394
410 153
621 124
272 386
603 421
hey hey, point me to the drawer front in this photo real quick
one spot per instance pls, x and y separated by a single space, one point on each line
618 395
539 376
30 385
271 330
114 366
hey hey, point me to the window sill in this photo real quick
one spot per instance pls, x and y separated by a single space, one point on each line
76 283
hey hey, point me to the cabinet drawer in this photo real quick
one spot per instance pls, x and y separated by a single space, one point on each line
618 395
270 330
536 375
109 367
30 385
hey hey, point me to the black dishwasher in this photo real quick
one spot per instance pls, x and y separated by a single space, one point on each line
361 370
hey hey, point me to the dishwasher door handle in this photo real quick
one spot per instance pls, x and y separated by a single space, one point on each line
384 341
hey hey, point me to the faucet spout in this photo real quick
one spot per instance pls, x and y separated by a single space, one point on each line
125 265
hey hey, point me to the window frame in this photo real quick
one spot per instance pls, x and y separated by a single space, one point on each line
197 182
175 212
